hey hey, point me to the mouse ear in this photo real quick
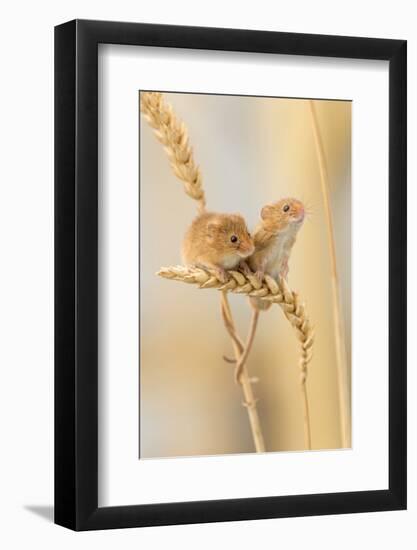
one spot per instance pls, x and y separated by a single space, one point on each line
266 212
212 227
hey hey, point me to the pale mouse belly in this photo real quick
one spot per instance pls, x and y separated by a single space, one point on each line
273 264
230 262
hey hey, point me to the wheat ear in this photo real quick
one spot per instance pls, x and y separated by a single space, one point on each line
277 292
173 135
339 335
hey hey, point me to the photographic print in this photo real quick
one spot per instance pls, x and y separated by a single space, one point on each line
245 274
215 271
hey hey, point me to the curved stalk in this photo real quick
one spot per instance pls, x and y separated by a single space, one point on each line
243 358
341 362
249 398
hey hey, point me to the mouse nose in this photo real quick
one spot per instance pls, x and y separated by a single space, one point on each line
250 248
247 248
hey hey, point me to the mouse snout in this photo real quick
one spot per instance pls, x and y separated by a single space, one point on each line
246 249
300 213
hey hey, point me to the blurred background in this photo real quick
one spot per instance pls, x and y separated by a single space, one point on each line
252 151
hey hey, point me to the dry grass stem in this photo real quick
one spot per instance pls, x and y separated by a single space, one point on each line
339 335
251 337
173 135
245 381
276 292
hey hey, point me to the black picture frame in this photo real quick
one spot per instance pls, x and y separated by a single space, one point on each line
76 272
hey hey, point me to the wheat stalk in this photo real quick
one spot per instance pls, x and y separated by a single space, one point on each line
339 335
277 292
241 354
173 135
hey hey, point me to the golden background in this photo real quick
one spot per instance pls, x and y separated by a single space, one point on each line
251 151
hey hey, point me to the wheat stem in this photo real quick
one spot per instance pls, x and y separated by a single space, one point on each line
307 431
230 327
271 290
341 361
249 398
251 337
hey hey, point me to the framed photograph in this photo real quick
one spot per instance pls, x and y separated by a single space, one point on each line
230 255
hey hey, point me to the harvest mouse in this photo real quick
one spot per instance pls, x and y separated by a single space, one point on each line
218 242
274 238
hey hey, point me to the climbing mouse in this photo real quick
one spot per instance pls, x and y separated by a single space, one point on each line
218 242
274 238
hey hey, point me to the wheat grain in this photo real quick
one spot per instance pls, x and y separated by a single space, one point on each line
173 135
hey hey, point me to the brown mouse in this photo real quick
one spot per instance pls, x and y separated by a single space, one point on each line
218 242
274 238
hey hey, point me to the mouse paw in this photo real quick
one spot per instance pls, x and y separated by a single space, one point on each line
221 274
245 269
284 270
260 274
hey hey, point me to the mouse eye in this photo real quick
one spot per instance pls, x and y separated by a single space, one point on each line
286 207
233 238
